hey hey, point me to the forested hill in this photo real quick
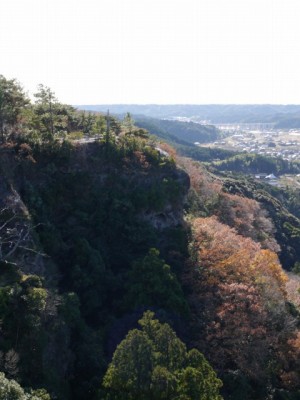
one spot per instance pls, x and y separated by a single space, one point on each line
131 272
285 116
185 131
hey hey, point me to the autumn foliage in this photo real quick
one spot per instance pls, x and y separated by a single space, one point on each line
207 198
238 299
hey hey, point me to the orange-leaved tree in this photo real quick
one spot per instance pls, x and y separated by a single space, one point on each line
237 297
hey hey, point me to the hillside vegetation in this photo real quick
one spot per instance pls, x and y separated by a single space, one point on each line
131 272
183 135
187 131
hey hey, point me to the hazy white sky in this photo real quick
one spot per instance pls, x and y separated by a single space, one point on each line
154 51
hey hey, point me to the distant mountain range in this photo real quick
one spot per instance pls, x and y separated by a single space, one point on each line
283 116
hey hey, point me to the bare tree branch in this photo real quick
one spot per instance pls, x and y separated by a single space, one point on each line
14 233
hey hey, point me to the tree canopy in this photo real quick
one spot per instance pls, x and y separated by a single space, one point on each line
11 390
151 283
153 363
12 102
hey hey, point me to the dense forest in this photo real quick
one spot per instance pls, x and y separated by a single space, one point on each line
129 271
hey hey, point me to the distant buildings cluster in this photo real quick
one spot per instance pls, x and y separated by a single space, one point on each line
269 143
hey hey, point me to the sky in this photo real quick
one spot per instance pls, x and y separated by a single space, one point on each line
154 51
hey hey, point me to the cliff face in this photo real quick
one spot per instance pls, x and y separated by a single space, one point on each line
156 188
169 213
55 183
19 244
79 217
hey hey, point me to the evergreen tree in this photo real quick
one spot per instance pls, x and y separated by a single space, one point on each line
153 363
12 103
128 122
152 283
